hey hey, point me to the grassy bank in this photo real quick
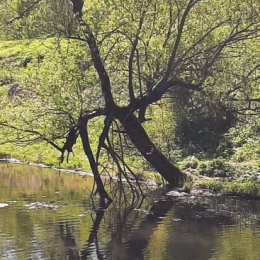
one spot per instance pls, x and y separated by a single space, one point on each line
42 153
227 178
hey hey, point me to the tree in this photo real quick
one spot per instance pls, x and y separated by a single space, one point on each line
140 50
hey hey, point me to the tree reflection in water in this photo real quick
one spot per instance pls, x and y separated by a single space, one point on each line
130 232
128 228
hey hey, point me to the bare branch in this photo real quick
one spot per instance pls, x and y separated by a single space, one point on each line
178 40
70 141
25 12
83 131
96 58
157 93
107 123
131 58
39 136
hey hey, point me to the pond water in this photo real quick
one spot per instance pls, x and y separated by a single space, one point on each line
46 214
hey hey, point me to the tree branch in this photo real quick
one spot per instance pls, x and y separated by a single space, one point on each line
25 12
131 58
96 57
178 40
32 132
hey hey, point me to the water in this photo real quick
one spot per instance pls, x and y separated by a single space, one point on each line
46 214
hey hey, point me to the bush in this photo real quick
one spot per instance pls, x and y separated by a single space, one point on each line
248 188
189 162
216 168
248 151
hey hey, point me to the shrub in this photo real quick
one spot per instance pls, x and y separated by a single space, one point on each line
216 168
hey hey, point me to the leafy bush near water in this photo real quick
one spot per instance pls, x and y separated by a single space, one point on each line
216 168
247 188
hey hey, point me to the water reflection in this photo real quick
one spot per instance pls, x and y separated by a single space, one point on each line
157 228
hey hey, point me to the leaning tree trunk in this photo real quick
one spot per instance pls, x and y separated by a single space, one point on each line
131 124
147 148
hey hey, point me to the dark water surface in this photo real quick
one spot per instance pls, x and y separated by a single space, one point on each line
46 214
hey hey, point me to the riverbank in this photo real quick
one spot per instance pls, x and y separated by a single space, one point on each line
149 181
243 182
226 178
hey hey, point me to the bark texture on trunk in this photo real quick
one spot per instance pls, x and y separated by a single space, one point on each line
149 151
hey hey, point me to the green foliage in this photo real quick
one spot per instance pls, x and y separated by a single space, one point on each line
189 162
248 189
160 126
216 168
245 181
47 97
200 122
17 23
188 185
241 142
248 151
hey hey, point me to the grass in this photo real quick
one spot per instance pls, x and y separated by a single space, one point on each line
244 189
43 153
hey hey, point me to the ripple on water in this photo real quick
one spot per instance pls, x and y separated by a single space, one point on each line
237 242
